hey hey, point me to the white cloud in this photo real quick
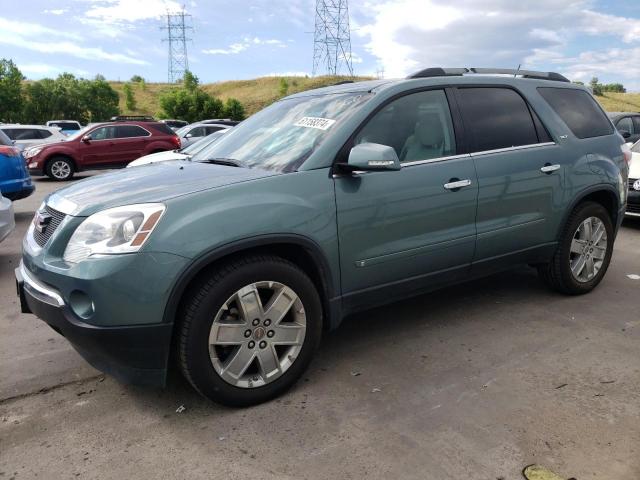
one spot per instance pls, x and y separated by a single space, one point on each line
129 11
43 69
246 43
407 35
58 11
41 39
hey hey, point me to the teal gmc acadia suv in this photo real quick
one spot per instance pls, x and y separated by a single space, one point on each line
233 264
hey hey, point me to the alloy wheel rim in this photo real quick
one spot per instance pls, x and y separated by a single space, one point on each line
588 249
257 334
60 169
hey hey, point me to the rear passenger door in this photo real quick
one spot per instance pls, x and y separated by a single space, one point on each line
405 231
520 173
131 142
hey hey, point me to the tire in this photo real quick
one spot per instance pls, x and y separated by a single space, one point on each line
60 169
213 313
558 274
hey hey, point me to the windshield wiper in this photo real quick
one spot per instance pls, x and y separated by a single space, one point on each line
223 161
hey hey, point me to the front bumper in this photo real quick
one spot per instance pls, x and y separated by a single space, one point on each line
633 203
133 354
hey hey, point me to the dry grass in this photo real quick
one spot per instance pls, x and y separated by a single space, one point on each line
260 92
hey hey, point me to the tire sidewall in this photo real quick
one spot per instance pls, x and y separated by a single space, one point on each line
587 210
201 370
50 166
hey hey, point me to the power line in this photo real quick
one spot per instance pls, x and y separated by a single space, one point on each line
332 38
177 38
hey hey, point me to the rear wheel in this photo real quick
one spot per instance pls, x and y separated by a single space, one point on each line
584 251
249 331
60 169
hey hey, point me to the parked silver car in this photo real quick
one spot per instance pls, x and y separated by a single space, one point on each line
7 221
195 131
24 136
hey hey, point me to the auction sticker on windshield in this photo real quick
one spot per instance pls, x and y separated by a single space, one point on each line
315 122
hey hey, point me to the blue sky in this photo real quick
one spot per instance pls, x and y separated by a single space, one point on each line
249 38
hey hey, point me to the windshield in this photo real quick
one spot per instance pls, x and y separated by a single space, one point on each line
282 136
183 131
202 143
79 133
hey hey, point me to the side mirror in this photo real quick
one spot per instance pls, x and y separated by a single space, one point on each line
189 135
625 134
373 157
86 139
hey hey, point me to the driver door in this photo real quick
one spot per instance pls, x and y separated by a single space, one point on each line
403 232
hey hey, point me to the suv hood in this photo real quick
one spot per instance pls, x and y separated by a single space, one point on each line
153 183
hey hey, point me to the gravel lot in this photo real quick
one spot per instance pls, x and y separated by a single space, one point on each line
473 382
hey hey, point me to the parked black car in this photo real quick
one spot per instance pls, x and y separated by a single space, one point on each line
628 124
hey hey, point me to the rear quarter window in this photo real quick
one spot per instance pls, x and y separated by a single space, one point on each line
578 110
163 128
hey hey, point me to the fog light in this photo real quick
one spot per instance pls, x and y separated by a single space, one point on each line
33 165
81 304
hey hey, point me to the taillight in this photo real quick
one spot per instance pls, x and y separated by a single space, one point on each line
626 151
176 141
9 151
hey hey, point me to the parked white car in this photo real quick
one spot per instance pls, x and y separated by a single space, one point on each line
27 135
194 132
633 199
67 127
7 222
182 154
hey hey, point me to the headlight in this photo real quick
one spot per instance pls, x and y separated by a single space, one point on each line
113 231
32 152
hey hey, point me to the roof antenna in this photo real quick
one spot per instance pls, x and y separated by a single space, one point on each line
517 70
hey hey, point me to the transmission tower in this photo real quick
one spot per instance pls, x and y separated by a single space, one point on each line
332 38
177 38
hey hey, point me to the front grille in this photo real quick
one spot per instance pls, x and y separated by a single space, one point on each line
633 207
56 219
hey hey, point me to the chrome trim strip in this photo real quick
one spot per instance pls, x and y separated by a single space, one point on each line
511 149
62 205
38 290
632 214
434 160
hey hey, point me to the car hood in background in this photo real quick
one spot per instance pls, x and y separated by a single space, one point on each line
154 183
158 157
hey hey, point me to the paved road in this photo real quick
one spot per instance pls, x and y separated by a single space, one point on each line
473 382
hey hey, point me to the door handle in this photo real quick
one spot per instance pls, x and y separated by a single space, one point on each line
548 168
455 184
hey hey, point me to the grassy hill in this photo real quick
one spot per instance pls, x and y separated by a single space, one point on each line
260 92
254 94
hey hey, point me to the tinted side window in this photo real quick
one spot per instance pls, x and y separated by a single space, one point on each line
26 134
418 126
496 118
44 133
4 139
161 127
197 132
636 124
625 124
103 133
212 129
10 132
578 110
128 131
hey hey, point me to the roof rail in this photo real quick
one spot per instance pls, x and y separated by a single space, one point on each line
449 72
132 118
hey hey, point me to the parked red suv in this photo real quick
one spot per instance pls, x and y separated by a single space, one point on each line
103 145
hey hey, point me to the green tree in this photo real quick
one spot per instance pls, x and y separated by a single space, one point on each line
284 87
129 97
614 87
100 100
596 87
137 79
234 110
11 95
190 102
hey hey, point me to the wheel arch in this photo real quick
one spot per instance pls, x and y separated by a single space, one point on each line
48 160
604 194
298 249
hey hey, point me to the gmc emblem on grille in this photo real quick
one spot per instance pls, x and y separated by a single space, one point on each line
41 221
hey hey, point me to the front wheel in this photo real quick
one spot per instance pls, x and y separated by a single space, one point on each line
249 331
60 169
583 253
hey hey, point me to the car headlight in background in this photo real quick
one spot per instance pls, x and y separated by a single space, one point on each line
32 152
113 231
